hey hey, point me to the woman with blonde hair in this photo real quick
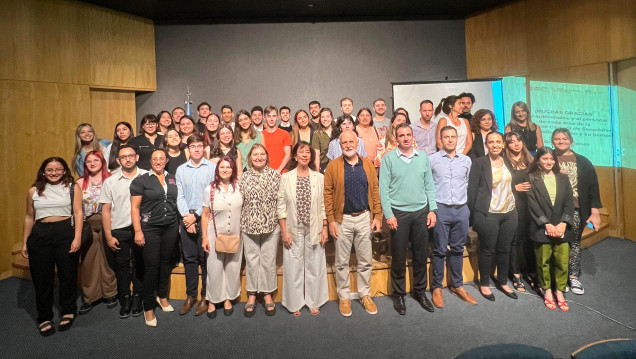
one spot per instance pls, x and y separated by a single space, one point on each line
86 140
521 123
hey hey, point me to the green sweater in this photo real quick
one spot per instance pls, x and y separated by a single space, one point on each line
405 186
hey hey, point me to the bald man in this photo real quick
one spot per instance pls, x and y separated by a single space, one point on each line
352 205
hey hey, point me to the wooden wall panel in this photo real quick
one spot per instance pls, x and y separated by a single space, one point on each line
110 107
496 42
629 202
566 33
594 74
607 188
122 51
45 41
41 123
621 30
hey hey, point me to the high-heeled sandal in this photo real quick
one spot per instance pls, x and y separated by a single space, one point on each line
517 283
563 305
549 303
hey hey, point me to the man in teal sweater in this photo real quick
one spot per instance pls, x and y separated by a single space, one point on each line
407 193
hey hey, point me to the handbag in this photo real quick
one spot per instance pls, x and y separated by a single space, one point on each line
225 243
87 232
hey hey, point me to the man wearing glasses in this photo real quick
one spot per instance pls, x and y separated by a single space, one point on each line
119 233
192 177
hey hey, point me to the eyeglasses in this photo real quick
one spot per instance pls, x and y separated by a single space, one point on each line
54 170
150 124
127 157
196 147
158 160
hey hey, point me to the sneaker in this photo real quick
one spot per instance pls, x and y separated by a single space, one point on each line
345 307
368 304
575 286
85 308
110 302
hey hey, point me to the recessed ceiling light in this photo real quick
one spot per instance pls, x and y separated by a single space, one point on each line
310 5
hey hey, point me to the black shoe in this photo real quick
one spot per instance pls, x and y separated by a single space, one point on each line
69 322
126 306
490 297
228 312
424 302
398 304
212 314
85 308
137 305
48 332
512 295
110 302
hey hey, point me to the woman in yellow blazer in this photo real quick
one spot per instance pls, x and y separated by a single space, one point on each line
303 227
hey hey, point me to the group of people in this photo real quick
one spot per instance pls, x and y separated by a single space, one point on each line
227 188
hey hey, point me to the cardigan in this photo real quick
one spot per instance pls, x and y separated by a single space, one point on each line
589 195
286 204
543 212
335 189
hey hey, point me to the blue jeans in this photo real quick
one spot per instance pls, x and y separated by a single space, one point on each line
451 229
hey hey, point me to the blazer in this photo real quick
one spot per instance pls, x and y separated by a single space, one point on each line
286 204
543 212
477 150
480 184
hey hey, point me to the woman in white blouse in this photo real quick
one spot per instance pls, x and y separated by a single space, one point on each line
303 228
222 216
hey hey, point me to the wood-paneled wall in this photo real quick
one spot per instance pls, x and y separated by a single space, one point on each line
560 41
62 62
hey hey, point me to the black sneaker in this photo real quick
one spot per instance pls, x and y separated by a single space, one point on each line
137 305
126 307
85 308
110 302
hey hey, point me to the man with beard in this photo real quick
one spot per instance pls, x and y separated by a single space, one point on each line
314 110
379 121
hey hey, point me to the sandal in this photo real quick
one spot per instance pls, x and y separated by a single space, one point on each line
296 313
69 322
270 309
47 332
315 311
563 305
517 283
549 303
249 310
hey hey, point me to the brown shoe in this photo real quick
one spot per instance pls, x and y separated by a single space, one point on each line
438 298
187 306
202 307
345 307
368 304
463 294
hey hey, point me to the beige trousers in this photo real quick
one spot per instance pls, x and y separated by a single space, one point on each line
260 261
98 278
354 231
223 281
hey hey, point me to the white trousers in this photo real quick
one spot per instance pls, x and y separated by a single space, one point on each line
260 261
304 273
354 231
223 281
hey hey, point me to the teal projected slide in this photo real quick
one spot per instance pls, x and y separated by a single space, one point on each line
583 109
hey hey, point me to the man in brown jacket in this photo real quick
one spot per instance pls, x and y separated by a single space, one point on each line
352 205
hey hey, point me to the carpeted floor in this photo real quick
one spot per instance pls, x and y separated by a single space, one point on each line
609 272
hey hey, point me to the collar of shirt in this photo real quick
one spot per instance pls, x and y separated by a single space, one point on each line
152 173
402 154
120 174
204 162
359 163
445 154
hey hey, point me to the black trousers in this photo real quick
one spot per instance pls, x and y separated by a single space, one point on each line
495 231
193 258
411 229
48 247
157 253
129 253
522 246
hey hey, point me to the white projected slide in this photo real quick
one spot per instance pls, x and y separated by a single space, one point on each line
409 95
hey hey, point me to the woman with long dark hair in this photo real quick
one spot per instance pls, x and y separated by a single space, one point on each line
303 227
98 278
187 128
210 135
245 135
153 202
491 202
165 122
222 203
369 134
225 145
176 155
51 241
344 123
322 137
389 141
452 107
552 209
123 133
517 153
301 130
521 123
147 141
482 123
86 140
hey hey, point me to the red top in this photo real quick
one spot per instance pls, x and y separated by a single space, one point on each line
275 143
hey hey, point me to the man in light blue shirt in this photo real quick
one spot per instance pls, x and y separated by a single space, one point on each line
425 131
192 177
450 174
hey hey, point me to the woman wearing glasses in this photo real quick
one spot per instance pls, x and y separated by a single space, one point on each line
147 141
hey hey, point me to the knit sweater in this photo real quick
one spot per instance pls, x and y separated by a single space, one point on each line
405 186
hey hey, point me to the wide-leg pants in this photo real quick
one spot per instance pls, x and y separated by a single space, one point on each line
260 261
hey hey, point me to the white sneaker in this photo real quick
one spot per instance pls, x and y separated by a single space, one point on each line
575 286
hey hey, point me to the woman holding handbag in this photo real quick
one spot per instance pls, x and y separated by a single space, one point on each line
221 230
303 228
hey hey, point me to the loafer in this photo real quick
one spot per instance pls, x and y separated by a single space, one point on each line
110 302
438 298
424 302
137 305
85 308
462 294
398 304
125 307
187 306
202 307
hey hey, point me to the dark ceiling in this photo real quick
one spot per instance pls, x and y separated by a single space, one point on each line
272 11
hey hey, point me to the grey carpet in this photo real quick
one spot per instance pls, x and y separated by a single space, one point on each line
609 270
